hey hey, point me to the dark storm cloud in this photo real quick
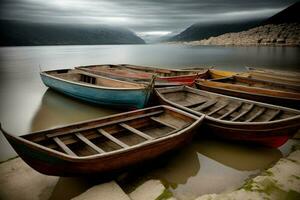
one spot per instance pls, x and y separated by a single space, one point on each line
153 16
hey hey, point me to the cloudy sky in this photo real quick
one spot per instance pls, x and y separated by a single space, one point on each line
145 17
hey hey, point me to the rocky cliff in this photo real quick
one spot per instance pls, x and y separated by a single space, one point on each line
286 34
282 29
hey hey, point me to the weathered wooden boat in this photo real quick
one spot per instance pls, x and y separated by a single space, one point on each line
234 118
125 74
98 89
106 144
254 89
185 77
287 77
216 74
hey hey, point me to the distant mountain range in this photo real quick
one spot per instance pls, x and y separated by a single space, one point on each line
282 29
288 15
201 31
204 31
16 33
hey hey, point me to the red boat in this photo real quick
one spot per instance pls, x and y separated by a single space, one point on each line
234 118
165 77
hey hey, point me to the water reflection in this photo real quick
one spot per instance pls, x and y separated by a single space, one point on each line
57 109
204 166
239 156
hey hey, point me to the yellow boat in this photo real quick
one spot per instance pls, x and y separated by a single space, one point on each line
216 74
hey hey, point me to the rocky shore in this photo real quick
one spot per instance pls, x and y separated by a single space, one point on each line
287 34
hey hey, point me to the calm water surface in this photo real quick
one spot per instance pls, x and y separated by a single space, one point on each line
205 166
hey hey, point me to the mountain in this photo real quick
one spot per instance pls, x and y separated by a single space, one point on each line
288 15
202 31
16 33
281 29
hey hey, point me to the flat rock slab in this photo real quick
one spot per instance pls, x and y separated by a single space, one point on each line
150 190
278 182
105 191
19 181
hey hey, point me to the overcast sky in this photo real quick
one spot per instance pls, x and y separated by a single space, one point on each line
154 17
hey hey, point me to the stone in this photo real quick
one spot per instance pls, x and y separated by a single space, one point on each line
279 182
19 181
105 191
150 190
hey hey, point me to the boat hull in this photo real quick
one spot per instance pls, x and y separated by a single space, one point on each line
183 80
126 99
37 149
257 95
275 75
266 136
49 164
272 134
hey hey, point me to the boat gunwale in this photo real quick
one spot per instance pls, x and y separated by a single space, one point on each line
198 121
187 88
144 87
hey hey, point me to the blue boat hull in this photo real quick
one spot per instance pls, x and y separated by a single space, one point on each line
126 99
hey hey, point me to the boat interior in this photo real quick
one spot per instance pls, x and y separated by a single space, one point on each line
91 79
102 136
224 108
116 69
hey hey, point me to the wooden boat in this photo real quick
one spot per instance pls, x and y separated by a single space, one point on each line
164 76
125 74
216 74
98 89
106 144
254 89
234 118
280 76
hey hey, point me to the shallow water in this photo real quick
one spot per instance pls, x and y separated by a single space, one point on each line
204 166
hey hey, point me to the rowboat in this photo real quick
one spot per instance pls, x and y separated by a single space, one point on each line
274 75
234 118
254 89
125 74
216 74
106 144
184 77
98 89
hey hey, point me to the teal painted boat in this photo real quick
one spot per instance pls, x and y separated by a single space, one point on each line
98 89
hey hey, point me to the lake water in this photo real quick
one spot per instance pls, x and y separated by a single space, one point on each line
205 166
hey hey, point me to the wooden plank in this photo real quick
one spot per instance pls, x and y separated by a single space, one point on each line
231 111
174 131
89 143
273 115
218 109
140 133
190 104
50 135
205 105
243 113
112 138
63 146
261 111
163 123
